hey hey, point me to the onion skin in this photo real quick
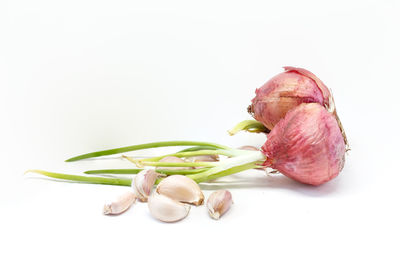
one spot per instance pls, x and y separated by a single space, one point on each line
307 145
286 91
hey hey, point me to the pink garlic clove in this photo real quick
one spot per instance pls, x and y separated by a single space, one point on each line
173 159
203 158
307 145
181 188
251 148
142 184
218 203
120 204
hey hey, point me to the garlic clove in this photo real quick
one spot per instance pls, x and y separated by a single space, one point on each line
172 159
218 203
143 184
252 148
120 204
166 209
203 158
181 188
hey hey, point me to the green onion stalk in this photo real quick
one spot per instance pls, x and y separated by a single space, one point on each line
237 160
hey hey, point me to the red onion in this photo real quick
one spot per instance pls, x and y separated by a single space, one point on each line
307 145
288 90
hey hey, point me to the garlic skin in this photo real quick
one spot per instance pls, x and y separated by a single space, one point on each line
120 204
166 209
218 203
172 159
286 91
181 188
307 145
143 184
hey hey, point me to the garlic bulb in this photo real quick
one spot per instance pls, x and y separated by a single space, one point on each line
166 209
120 204
143 183
307 145
218 203
181 188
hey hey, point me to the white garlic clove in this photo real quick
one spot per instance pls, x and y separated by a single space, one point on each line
120 204
143 183
218 203
181 188
173 160
203 158
166 209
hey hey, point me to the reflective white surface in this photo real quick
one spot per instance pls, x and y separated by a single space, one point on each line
80 76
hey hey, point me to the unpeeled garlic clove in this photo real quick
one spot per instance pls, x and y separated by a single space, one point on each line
203 158
252 148
218 203
120 204
173 160
143 183
167 209
181 188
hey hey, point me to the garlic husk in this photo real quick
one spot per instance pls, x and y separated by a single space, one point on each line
120 204
307 145
167 209
218 203
172 159
143 183
181 188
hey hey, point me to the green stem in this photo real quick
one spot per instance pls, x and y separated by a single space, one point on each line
143 146
86 179
141 163
135 171
179 164
251 126
228 153
196 148
236 169
251 157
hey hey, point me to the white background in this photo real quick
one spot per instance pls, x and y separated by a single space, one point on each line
80 76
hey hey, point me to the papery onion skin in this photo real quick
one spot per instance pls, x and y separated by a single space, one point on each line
307 145
286 91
